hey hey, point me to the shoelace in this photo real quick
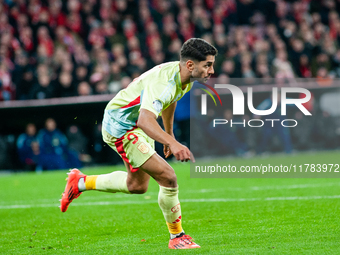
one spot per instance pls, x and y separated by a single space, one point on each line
186 240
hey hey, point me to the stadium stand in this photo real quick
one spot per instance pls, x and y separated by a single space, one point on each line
57 48
48 47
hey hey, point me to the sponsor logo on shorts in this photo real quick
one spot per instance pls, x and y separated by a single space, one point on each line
143 148
176 208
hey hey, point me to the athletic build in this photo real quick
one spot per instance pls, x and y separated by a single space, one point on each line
130 128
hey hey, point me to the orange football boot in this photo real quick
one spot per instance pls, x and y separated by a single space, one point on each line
71 190
183 242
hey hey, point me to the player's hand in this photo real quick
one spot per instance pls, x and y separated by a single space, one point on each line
167 151
181 152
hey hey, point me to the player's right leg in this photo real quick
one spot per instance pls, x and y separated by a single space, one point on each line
129 182
71 190
135 149
118 181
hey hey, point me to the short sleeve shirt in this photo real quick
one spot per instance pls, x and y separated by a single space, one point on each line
154 90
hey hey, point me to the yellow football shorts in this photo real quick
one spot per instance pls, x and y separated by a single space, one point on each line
135 147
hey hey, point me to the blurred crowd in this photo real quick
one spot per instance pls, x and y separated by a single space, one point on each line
59 48
49 148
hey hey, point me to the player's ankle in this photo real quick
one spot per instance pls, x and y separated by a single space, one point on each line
81 184
172 236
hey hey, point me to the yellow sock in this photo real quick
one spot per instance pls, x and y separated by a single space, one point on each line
90 182
175 228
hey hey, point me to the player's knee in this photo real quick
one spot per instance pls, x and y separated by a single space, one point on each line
172 182
137 189
169 179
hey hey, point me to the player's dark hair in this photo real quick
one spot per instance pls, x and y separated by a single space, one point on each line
197 49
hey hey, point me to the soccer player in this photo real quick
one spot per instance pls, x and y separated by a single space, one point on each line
130 128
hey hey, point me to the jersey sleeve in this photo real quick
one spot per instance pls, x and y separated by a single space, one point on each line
156 97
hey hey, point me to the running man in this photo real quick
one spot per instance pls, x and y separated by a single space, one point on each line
130 128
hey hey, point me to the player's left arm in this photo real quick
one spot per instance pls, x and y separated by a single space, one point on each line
168 123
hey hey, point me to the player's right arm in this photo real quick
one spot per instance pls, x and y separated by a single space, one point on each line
147 121
168 122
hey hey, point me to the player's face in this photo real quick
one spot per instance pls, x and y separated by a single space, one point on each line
204 69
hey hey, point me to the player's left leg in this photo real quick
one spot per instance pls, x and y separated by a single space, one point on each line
168 201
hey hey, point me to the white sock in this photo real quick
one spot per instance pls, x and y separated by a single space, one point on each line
172 236
81 185
113 182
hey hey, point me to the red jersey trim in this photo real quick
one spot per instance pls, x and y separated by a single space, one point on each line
133 103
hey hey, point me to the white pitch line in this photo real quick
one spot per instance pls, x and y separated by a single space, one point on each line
252 188
202 200
295 186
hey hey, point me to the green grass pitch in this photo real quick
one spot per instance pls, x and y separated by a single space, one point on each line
225 216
